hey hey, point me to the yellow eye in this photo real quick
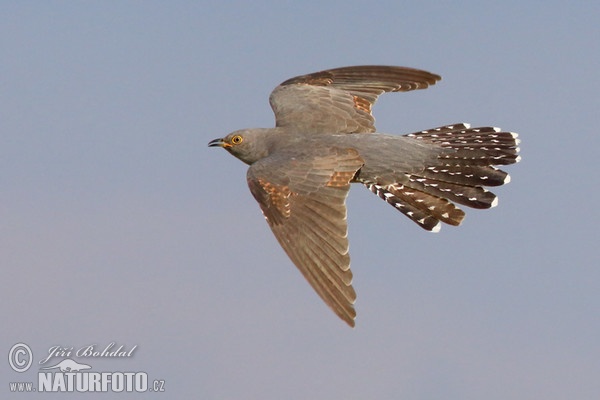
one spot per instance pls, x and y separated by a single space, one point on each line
237 139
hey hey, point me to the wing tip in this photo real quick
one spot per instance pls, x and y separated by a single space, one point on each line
351 322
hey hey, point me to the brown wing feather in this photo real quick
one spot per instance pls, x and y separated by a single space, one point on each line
304 204
340 100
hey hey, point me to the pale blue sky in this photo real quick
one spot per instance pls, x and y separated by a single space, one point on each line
117 223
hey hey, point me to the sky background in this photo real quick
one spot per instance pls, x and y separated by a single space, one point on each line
119 224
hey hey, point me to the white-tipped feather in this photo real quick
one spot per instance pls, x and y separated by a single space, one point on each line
494 202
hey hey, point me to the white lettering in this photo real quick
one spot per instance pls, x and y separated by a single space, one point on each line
57 351
117 382
92 382
94 385
82 385
106 379
59 383
141 382
108 352
45 381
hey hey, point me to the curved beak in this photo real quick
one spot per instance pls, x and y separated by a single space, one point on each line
217 143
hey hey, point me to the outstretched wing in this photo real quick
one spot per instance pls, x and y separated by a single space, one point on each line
340 100
303 200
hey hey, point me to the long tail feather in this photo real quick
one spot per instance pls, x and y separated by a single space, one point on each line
458 176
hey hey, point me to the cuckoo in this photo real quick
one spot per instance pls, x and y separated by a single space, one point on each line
324 139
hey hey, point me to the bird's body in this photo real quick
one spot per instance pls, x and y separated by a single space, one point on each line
324 140
382 150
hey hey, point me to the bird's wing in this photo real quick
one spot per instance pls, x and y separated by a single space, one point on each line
340 100
303 200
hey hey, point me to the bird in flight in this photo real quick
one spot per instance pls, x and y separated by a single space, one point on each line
324 139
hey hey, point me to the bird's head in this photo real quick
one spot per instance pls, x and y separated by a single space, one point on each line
248 145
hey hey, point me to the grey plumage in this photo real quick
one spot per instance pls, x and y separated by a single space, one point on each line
301 170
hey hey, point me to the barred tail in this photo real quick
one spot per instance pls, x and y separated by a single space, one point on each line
463 168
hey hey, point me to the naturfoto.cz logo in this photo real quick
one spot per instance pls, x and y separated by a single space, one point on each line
68 375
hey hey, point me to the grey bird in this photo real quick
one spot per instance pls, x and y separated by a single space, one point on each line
324 139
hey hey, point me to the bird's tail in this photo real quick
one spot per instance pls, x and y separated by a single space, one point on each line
458 176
